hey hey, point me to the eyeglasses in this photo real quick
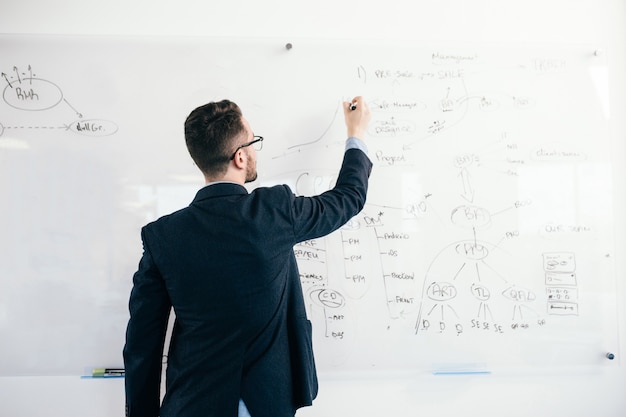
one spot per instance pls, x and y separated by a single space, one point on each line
257 142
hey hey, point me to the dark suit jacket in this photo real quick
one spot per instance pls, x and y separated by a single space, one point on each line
226 265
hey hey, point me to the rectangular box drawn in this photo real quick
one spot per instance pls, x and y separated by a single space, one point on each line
563 309
559 294
559 262
561 278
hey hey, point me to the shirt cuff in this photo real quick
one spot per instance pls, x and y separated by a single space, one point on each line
356 143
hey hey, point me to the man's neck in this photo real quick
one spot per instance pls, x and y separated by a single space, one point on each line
224 178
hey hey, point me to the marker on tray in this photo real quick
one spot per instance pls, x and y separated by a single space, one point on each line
108 372
461 369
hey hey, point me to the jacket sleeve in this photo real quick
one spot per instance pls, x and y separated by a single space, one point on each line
320 215
149 307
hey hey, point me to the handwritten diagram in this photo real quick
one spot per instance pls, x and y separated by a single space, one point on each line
24 91
466 248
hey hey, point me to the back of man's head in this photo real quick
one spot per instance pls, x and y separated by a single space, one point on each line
210 133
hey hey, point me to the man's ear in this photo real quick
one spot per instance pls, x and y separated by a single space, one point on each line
240 159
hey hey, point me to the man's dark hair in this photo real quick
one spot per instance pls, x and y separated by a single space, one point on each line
210 133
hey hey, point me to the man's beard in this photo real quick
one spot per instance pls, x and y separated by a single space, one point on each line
251 173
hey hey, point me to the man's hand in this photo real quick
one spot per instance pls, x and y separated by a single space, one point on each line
357 115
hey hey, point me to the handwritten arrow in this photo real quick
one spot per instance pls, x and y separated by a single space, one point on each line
65 127
18 74
75 111
468 192
7 80
561 307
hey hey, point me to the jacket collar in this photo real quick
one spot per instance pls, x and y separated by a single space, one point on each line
219 189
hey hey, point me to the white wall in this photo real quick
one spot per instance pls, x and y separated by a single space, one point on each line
598 22
484 20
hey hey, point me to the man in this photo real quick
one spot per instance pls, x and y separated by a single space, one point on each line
241 341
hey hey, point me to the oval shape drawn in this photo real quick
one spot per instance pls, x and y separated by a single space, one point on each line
391 128
519 294
325 297
441 291
93 127
32 94
471 250
481 292
471 216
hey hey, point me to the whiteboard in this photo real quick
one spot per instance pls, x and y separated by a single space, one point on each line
486 242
